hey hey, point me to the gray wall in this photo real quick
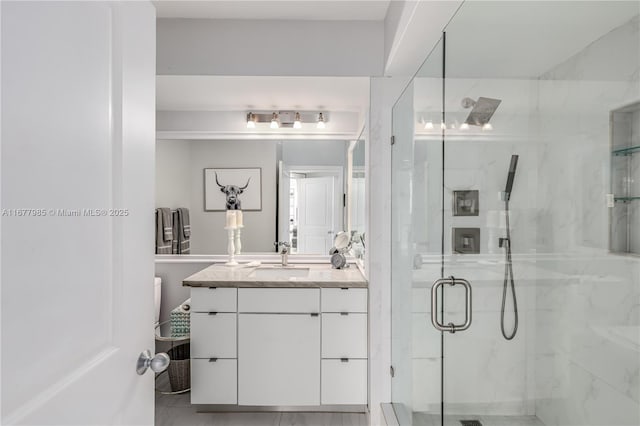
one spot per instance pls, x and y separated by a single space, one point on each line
216 47
172 174
314 153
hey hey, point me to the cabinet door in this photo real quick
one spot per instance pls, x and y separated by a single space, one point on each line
278 359
344 336
214 382
344 300
213 336
344 381
206 299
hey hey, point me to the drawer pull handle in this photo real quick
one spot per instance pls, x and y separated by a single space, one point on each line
344 313
344 288
213 359
213 313
314 314
212 288
344 359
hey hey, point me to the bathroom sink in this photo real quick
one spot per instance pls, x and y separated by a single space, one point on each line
282 273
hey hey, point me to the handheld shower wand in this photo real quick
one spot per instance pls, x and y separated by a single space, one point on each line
506 243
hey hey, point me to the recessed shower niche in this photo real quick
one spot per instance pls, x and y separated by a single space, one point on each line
624 202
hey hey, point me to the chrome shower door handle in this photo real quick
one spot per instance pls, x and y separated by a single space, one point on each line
451 328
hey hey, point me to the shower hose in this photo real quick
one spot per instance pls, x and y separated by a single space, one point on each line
508 278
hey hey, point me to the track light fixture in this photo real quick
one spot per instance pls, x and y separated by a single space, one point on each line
286 119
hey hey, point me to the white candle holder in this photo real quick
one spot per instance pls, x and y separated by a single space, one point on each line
238 241
231 246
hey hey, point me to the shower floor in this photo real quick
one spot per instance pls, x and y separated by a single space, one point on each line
427 419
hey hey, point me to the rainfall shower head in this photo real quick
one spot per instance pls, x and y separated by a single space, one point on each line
482 111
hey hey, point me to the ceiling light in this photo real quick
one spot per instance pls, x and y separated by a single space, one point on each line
464 126
282 119
428 125
274 121
443 126
487 127
251 121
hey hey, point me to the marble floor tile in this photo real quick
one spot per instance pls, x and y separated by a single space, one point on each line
311 419
245 419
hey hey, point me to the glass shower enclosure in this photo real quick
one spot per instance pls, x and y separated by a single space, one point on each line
509 304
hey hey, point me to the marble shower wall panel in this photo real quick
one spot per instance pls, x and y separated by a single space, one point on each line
587 328
587 347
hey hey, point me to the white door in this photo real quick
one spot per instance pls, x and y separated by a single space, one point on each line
316 221
278 359
77 173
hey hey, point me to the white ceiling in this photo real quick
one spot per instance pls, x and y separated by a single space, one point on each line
330 10
542 34
226 93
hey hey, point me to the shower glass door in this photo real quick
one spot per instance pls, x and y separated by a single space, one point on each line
554 337
416 243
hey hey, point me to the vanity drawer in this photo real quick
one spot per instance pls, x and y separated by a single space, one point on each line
344 381
344 300
214 382
209 299
279 300
344 336
213 336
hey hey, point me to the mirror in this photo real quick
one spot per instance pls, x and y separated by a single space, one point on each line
301 184
356 206
218 146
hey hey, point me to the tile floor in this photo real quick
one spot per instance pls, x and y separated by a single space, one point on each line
176 410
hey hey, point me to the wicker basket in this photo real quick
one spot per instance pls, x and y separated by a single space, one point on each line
180 367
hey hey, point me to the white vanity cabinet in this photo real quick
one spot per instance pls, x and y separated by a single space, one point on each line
274 346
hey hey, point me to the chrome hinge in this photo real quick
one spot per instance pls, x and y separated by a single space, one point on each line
393 140
392 371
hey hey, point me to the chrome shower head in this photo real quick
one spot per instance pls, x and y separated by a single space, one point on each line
482 111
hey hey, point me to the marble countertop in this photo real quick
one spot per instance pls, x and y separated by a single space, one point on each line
320 275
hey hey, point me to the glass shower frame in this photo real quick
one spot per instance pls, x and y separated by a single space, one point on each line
579 322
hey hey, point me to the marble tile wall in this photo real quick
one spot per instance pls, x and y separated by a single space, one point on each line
587 347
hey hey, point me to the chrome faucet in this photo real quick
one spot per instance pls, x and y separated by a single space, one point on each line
284 251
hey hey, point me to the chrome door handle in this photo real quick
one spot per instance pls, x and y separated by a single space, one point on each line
451 328
158 363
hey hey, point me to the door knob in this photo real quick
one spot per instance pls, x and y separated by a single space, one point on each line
158 363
